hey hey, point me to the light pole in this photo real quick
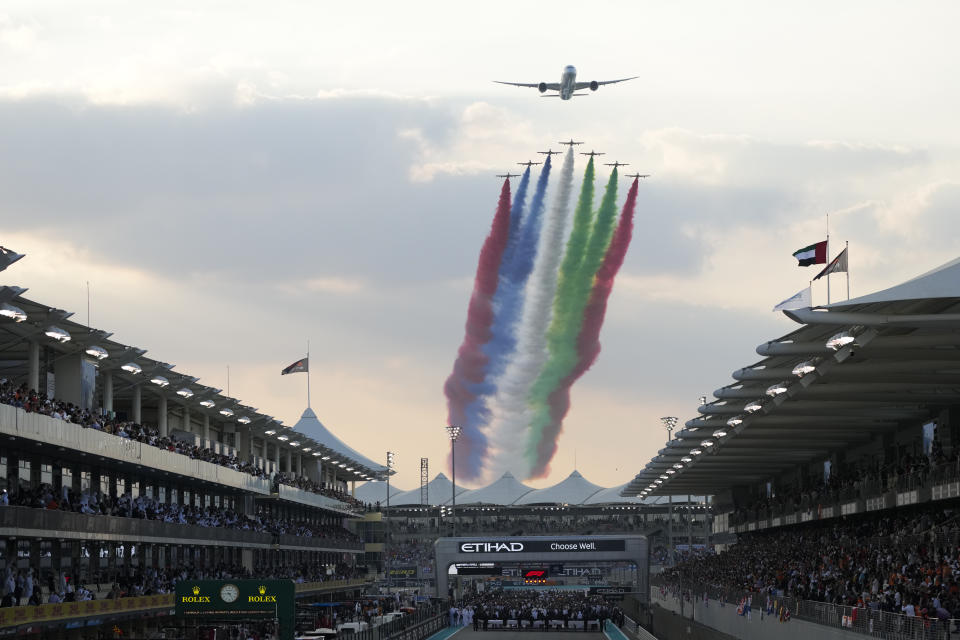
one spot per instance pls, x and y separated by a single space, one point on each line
454 432
670 422
387 517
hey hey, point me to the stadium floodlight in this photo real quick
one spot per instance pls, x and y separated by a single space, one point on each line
316 453
185 393
16 314
270 432
57 334
839 340
719 433
325 458
160 381
696 452
97 352
776 389
670 472
132 367
342 465
663 476
226 412
294 443
678 466
207 403
349 468
734 421
243 420
307 449
686 459
707 443
658 481
753 406
804 368
282 438
703 400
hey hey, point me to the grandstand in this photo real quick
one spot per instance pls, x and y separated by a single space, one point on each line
120 477
834 469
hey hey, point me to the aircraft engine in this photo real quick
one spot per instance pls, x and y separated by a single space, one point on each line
542 87
594 85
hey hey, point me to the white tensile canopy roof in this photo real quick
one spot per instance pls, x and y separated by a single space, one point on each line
612 496
574 489
439 491
311 426
506 490
373 492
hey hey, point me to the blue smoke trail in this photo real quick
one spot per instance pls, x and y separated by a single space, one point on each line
516 217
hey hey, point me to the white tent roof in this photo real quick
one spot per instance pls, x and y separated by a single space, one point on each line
373 492
612 496
574 489
506 490
439 491
311 426
942 282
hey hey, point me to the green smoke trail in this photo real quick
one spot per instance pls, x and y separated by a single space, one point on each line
586 247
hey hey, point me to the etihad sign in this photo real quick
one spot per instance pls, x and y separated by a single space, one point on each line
491 547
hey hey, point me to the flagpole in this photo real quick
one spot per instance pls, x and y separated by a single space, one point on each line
847 249
308 373
828 257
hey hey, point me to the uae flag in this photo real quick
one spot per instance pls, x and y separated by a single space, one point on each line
297 367
814 254
837 265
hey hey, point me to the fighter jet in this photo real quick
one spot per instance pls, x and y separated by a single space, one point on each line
571 143
616 164
636 175
568 85
592 153
508 175
528 163
549 153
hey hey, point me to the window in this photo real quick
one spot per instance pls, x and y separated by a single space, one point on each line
24 475
134 489
105 484
121 486
46 473
187 498
66 477
3 472
84 481
162 495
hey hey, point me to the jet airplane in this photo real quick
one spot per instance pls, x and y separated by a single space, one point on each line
571 143
549 153
528 163
636 175
616 164
508 175
567 87
592 153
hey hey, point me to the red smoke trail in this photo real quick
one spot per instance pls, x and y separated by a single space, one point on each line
468 368
588 341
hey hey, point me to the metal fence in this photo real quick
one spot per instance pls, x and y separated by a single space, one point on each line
878 624
420 624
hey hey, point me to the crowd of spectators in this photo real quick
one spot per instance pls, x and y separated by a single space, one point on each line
856 480
145 508
532 605
306 484
904 561
25 587
411 552
519 525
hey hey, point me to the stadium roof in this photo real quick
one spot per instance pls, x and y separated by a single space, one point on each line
854 370
373 492
439 491
311 426
574 489
506 490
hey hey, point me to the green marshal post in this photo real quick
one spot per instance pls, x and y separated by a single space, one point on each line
237 600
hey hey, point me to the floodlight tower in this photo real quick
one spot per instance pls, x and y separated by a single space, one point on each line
670 422
387 516
454 432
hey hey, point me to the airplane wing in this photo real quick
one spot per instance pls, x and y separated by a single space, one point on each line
584 85
551 86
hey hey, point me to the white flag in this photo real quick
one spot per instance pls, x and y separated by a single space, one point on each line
800 300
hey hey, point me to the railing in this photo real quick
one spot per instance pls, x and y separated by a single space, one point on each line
878 624
295 494
420 624
22 521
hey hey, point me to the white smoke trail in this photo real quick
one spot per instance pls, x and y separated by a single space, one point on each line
508 428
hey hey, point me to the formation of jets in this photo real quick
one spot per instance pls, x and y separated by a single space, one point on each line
567 87
615 164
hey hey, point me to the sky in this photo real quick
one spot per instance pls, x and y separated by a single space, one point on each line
235 178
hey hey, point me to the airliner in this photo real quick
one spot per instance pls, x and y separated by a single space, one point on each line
568 86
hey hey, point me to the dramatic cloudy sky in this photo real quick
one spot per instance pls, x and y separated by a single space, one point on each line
234 178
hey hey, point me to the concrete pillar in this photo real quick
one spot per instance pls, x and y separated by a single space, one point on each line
108 391
33 376
137 404
186 419
68 373
276 456
162 415
290 461
206 429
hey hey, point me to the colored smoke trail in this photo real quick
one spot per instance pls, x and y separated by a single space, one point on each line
469 366
573 294
516 216
588 342
509 405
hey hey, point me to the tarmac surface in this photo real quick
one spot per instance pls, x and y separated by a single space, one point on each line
468 633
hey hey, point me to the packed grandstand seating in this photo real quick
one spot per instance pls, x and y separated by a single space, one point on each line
519 525
24 587
907 560
30 401
145 508
411 552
